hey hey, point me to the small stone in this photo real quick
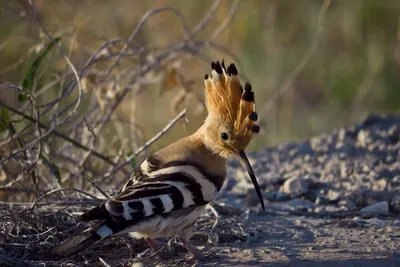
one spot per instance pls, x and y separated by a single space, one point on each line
321 200
342 134
395 204
332 208
362 138
295 186
380 185
343 170
280 196
334 195
396 179
319 209
300 204
252 198
347 204
271 196
380 208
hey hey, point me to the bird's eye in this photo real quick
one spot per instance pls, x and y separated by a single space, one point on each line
224 136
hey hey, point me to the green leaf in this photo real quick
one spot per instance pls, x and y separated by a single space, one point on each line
52 167
97 166
27 84
133 160
133 163
4 119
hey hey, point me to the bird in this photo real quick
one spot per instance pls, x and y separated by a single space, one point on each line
169 190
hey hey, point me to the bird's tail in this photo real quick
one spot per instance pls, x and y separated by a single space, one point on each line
81 241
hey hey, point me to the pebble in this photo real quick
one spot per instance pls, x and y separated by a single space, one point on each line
380 208
252 198
280 196
396 179
332 168
334 195
362 138
321 200
395 204
295 186
271 196
380 185
300 204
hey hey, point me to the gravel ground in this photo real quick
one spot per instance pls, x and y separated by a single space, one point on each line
333 200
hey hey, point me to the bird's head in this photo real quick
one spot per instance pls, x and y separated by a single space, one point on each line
230 123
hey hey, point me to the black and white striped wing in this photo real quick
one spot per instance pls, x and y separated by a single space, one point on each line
154 192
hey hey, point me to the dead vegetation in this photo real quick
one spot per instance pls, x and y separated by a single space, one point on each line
64 148
28 230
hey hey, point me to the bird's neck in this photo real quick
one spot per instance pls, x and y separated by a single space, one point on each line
194 149
208 147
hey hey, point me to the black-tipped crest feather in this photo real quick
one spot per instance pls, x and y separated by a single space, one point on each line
255 128
253 116
248 96
217 67
223 65
232 69
247 87
227 99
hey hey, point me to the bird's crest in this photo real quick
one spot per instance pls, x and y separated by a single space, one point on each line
228 102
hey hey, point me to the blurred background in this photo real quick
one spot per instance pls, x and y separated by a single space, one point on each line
314 65
354 70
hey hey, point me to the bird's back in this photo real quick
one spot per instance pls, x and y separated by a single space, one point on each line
171 184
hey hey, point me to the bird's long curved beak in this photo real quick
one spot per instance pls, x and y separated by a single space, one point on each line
246 164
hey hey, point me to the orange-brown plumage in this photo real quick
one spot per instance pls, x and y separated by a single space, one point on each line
231 109
168 191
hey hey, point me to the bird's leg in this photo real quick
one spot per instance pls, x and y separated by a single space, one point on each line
196 255
151 243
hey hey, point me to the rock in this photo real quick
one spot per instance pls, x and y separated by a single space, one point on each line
380 185
380 208
230 182
252 198
319 209
396 179
333 208
362 138
280 196
271 196
334 195
395 204
295 186
321 200
347 204
300 204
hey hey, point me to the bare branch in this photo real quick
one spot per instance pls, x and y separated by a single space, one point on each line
56 133
148 143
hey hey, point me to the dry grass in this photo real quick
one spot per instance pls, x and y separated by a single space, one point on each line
65 139
126 80
27 231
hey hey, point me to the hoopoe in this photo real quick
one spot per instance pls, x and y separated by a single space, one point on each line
168 192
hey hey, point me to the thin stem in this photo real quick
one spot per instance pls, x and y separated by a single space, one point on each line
58 134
